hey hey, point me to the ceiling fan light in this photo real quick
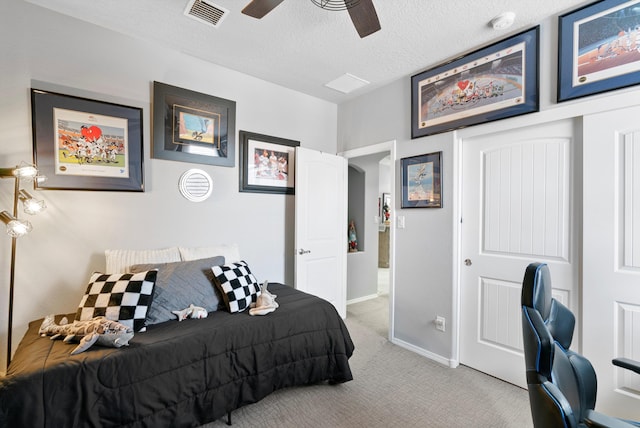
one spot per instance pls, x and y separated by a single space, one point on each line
335 4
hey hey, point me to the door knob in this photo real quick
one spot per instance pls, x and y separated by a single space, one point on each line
467 262
302 251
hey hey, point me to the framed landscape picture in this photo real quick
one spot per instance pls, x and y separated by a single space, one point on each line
85 144
599 48
190 126
492 83
267 164
422 181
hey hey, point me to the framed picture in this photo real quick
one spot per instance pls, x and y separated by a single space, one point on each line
386 207
421 181
83 144
599 48
267 164
193 127
492 83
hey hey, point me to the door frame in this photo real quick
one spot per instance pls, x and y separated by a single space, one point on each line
387 146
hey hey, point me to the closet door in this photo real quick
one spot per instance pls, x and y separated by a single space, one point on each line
517 208
611 279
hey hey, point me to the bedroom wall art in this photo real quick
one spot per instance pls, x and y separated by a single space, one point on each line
492 83
599 48
421 181
190 126
84 144
267 164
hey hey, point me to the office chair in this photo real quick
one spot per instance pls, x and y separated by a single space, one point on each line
562 384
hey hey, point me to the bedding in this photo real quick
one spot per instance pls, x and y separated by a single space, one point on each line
177 374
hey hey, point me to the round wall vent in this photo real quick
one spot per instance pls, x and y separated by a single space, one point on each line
196 185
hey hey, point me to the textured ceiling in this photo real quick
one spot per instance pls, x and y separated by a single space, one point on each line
302 47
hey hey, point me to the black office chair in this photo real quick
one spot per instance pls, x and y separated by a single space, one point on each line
562 384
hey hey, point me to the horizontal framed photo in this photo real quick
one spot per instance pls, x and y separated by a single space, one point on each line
190 126
422 181
599 48
84 144
492 83
267 164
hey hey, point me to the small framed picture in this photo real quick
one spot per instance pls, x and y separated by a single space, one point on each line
190 126
267 164
599 48
421 181
85 144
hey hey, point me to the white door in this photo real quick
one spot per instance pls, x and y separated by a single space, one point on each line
516 209
321 226
611 242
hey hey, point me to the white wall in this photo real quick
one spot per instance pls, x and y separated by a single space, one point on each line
426 262
69 239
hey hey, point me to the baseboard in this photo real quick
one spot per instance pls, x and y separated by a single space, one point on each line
362 299
435 357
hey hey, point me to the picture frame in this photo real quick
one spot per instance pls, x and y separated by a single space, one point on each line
85 144
491 83
385 213
598 49
267 164
422 181
190 126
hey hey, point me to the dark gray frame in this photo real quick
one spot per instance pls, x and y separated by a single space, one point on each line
44 142
167 100
244 137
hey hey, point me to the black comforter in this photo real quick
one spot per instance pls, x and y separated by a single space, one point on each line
177 373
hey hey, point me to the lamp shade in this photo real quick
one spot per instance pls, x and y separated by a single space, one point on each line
15 228
31 205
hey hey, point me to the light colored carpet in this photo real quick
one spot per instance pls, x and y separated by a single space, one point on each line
391 387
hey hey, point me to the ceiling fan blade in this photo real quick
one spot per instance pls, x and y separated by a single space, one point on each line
365 18
259 8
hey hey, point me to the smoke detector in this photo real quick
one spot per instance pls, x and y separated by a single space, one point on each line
206 12
503 21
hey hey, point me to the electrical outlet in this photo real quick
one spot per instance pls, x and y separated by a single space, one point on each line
440 323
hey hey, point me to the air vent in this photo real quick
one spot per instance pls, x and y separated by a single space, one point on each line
206 12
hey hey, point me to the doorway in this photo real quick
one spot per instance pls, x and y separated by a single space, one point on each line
370 279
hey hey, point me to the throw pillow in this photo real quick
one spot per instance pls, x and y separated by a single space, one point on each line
122 297
181 284
230 252
238 286
120 261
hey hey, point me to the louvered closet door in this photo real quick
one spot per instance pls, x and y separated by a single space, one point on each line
611 256
516 208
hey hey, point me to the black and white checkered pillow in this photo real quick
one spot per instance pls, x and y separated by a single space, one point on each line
238 286
122 297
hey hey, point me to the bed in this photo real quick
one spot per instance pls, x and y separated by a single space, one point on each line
177 374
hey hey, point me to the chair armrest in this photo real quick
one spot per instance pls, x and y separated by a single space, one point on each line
627 363
598 420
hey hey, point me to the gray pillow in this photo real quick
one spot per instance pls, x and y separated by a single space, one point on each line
180 284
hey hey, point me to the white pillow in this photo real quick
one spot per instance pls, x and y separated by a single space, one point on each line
119 261
230 252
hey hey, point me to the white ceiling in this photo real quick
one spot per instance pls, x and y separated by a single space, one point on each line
302 47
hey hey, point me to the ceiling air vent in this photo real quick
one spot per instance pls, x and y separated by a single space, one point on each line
206 12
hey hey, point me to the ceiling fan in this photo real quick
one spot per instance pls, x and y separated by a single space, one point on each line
362 12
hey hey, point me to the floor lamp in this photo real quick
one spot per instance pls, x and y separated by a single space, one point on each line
16 228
